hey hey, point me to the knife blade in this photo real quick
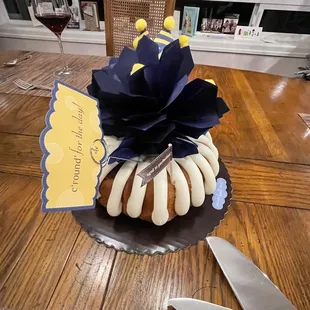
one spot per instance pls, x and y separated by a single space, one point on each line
251 286
193 304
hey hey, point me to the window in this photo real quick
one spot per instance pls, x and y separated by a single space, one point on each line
17 9
286 19
218 10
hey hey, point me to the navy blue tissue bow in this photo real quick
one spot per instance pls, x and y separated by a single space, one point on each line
155 105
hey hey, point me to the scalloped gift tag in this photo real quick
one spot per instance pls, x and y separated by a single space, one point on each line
73 151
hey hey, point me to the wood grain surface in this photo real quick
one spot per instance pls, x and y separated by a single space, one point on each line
47 262
144 282
268 182
36 274
23 114
85 277
20 154
41 67
20 218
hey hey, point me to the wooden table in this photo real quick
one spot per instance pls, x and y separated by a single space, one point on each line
48 262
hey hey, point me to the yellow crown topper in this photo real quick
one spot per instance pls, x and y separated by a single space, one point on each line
73 151
163 38
141 27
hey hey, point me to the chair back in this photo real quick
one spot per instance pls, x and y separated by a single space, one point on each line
120 17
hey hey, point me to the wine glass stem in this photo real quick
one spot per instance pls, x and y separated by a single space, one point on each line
62 52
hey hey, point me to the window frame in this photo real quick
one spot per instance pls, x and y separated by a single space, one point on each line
258 15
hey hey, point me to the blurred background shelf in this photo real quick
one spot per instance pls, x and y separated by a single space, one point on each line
286 34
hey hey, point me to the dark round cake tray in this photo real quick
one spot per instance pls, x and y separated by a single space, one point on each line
136 236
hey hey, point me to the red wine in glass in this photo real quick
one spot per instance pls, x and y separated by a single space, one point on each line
55 15
54 22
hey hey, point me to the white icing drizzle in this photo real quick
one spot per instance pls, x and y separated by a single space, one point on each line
208 135
182 196
208 154
201 168
114 205
205 168
160 213
206 141
197 186
106 170
136 198
112 142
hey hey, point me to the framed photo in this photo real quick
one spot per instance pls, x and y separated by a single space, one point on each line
190 20
206 25
216 25
91 15
211 25
230 23
74 22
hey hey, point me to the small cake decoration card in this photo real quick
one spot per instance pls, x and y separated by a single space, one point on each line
72 151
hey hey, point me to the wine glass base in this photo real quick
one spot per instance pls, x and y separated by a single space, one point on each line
64 73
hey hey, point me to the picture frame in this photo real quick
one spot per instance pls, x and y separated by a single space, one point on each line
74 22
230 23
190 20
91 15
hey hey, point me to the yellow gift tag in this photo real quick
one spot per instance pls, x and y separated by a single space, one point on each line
73 151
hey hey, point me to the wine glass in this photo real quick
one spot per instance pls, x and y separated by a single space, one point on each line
55 15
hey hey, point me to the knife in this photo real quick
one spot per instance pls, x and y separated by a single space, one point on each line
193 304
251 286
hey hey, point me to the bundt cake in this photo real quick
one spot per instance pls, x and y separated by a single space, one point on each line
183 184
147 103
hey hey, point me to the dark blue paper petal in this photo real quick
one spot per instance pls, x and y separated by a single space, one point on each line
205 121
147 51
198 98
221 107
125 62
108 83
90 88
114 130
113 61
126 150
190 131
157 134
169 68
93 88
187 64
141 116
177 90
145 125
123 105
152 78
107 121
123 153
182 148
138 84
